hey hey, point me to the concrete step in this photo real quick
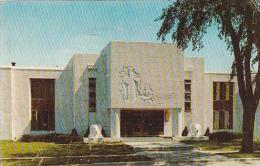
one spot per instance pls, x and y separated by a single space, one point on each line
164 149
147 139
169 148
160 146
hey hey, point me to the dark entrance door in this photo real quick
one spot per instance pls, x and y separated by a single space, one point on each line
141 123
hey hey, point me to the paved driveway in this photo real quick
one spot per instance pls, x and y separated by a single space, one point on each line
166 153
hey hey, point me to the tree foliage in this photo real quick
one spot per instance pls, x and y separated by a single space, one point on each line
238 23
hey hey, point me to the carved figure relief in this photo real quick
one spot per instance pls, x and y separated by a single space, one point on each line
131 87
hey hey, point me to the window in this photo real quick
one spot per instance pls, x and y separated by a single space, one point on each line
222 105
42 104
92 94
187 95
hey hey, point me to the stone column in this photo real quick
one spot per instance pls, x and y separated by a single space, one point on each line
177 122
115 123
168 125
180 121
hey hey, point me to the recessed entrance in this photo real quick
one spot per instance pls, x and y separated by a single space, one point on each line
141 123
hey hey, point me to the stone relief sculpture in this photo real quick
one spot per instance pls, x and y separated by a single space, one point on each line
131 88
147 93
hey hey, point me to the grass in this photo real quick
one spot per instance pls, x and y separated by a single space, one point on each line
81 153
73 160
241 155
228 149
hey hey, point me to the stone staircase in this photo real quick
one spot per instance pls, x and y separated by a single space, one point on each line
146 139
160 146
171 153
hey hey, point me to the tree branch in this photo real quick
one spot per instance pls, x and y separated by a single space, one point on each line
240 30
246 54
238 57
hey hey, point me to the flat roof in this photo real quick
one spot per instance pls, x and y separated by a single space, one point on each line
32 68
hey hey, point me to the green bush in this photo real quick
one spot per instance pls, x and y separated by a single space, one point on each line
38 138
54 137
185 131
224 136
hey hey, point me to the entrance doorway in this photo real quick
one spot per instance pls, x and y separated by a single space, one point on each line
142 123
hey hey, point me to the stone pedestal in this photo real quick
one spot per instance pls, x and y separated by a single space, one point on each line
195 134
95 134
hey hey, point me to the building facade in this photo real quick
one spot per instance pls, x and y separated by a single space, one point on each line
132 89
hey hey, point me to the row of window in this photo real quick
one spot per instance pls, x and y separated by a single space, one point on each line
43 102
222 103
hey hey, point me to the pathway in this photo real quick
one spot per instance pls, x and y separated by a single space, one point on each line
175 153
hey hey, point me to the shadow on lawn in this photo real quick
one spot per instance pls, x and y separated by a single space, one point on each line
76 160
81 149
76 153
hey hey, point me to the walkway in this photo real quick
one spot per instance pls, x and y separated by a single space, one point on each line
167 153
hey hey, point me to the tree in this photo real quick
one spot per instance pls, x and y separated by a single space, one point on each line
238 23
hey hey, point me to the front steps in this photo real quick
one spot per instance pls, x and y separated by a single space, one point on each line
146 139
132 139
158 147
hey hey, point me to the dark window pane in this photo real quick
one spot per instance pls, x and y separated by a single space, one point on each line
187 88
222 91
92 94
214 91
187 106
187 97
92 104
221 119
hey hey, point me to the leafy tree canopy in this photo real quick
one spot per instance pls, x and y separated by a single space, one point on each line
238 22
188 20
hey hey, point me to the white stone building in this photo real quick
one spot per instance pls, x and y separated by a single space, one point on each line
133 89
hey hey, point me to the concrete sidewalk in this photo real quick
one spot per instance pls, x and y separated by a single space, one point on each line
175 153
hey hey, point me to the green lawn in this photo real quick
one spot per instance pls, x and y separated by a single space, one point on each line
80 151
228 149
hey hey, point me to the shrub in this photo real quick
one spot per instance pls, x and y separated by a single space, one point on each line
207 133
224 136
185 131
103 132
55 137
87 132
74 132
38 138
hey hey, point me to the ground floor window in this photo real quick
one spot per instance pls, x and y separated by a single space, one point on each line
223 105
42 104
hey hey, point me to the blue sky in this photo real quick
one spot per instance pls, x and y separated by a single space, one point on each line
48 33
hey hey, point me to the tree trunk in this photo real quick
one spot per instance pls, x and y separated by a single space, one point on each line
248 127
